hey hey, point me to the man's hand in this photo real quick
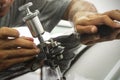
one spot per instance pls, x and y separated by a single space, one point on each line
90 26
88 21
15 49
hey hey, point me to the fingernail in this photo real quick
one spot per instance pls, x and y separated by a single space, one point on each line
28 38
93 29
34 45
31 39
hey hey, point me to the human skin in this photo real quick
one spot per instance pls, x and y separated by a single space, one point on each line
5 6
84 17
86 20
13 48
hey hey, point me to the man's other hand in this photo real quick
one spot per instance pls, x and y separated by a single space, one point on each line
89 25
15 49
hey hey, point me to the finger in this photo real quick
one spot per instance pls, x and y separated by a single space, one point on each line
7 63
95 19
8 32
108 21
18 42
98 20
114 14
86 29
28 38
5 54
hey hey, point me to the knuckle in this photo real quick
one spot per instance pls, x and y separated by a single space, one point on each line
3 30
21 51
31 44
24 43
17 40
2 55
17 32
16 43
27 52
105 16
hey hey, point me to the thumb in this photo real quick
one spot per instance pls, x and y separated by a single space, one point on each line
89 29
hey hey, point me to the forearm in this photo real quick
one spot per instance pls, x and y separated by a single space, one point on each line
79 8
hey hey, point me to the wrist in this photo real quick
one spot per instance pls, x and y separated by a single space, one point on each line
81 8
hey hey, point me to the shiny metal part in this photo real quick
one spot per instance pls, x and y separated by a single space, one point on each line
53 54
32 20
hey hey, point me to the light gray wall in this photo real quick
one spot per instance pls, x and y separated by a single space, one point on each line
105 5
